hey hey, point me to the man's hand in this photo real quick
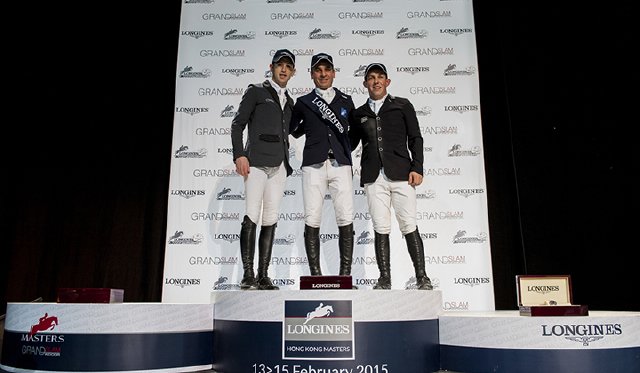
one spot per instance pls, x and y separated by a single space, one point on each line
242 166
415 178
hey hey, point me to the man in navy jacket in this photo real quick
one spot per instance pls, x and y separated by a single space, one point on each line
263 162
391 168
322 116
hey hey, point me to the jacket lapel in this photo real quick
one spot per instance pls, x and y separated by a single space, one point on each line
272 92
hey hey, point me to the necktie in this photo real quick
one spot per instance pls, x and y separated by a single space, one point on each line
283 99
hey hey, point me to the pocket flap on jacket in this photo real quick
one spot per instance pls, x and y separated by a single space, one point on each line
269 138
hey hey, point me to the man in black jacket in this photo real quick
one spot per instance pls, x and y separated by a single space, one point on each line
391 168
263 162
322 116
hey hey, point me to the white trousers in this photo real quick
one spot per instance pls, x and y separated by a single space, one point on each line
264 189
383 194
338 180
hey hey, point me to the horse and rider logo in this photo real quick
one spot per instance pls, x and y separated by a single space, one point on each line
320 311
45 323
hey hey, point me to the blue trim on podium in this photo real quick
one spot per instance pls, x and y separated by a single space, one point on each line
110 352
404 346
474 359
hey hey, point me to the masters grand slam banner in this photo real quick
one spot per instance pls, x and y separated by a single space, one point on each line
429 49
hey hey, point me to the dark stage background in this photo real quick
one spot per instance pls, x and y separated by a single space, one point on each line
88 127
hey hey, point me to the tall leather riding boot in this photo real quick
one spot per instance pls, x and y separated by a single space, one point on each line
247 252
265 246
312 247
416 251
345 245
383 253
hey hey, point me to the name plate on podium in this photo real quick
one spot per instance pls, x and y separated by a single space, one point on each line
570 310
325 282
90 295
547 295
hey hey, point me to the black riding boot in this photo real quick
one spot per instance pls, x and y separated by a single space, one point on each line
345 244
247 252
265 245
416 251
312 247
383 253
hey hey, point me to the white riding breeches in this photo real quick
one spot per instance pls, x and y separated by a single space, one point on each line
264 189
382 195
338 181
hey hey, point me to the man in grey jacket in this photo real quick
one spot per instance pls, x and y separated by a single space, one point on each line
263 162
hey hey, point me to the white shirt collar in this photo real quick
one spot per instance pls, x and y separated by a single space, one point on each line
380 101
330 92
278 89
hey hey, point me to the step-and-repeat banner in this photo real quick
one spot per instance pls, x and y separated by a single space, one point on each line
429 49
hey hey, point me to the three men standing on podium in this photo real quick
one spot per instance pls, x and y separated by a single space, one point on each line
391 165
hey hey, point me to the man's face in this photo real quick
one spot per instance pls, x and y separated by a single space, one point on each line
323 75
282 71
376 82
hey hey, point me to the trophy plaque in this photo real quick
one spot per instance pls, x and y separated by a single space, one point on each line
325 282
547 295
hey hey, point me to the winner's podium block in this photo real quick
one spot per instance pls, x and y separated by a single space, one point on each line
332 330
505 342
109 337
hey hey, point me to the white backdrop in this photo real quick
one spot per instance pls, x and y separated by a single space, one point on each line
429 49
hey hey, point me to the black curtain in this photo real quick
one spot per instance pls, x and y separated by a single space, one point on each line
88 148
555 101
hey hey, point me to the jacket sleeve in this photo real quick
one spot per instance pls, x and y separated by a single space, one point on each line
415 141
241 120
354 130
296 126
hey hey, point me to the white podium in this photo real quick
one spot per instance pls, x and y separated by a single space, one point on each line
117 337
504 341
307 331
313 331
